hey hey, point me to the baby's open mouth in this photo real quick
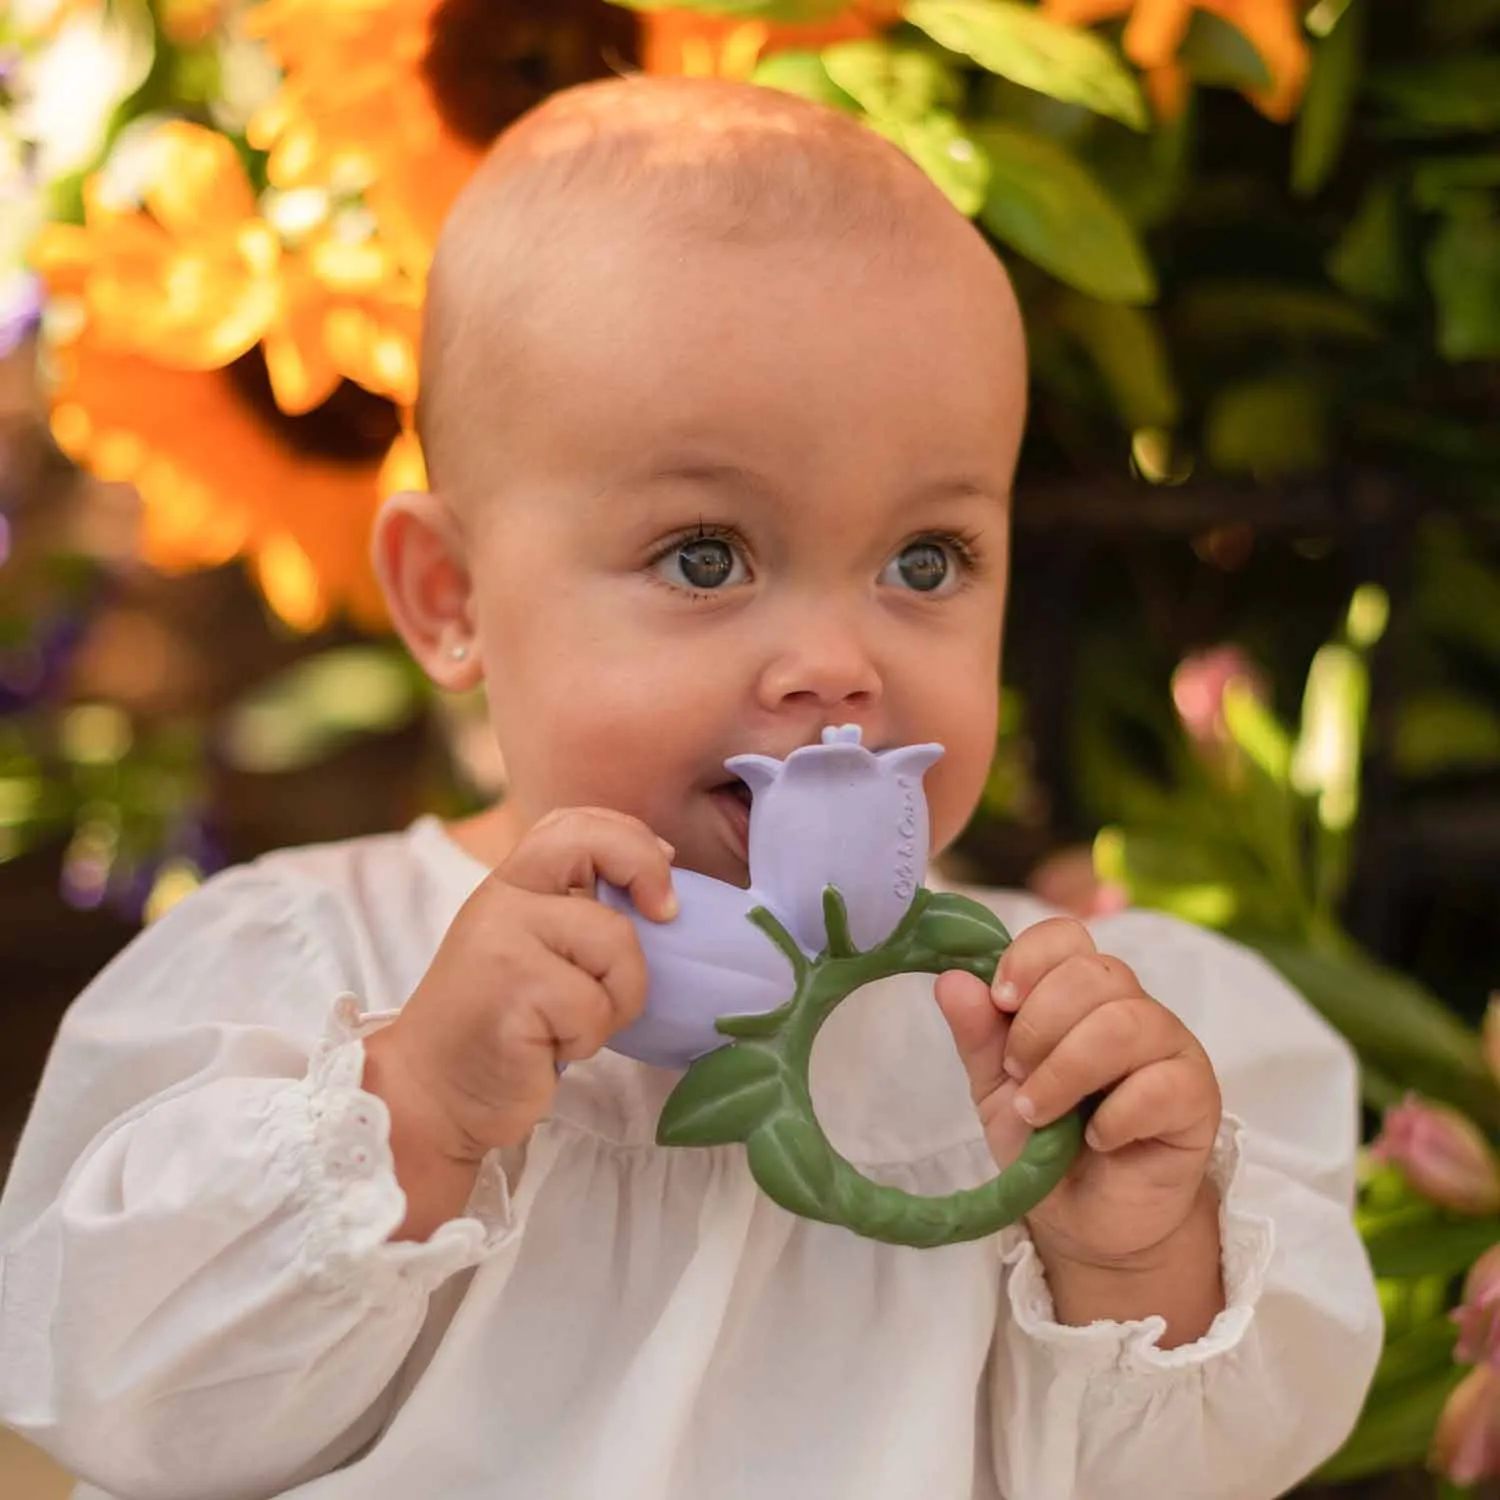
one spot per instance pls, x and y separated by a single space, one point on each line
733 798
737 789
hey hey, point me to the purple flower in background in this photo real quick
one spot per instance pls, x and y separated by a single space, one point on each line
833 814
20 310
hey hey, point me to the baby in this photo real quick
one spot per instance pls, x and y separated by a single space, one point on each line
722 402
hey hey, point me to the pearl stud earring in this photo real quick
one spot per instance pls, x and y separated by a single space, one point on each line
459 652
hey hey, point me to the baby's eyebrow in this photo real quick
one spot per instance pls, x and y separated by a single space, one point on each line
715 473
741 479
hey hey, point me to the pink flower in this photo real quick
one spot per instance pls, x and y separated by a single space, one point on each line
1466 1446
1478 1316
1198 688
1443 1155
1490 1035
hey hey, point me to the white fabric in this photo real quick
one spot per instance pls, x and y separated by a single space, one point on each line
199 1299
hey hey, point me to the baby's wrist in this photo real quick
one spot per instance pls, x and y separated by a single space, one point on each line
1178 1278
418 1113
1198 1228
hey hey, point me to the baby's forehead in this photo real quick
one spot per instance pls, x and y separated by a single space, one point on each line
638 179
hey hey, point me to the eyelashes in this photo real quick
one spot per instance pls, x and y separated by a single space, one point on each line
963 547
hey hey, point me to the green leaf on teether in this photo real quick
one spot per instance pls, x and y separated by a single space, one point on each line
723 1097
959 927
792 1163
836 923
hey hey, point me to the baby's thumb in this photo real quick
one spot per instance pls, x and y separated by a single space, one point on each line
979 1029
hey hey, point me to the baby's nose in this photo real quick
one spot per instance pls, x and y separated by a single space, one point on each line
822 665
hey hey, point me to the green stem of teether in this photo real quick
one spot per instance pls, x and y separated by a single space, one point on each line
757 1090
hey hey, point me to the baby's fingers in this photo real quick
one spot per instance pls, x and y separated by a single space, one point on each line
603 945
1175 1101
978 1028
1034 954
573 849
1110 1043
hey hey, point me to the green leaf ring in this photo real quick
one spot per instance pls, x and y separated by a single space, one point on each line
755 1089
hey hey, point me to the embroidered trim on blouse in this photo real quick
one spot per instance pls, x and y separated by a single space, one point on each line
1247 1241
335 1139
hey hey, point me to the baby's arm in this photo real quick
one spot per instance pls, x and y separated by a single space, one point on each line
1105 1412
197 1293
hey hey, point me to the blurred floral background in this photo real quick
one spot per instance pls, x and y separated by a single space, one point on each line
1254 666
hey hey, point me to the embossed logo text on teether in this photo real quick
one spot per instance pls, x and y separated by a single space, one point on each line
906 850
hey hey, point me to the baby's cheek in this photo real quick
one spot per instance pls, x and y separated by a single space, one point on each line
953 788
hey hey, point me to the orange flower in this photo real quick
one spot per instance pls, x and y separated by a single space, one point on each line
214 367
727 47
222 472
403 96
195 278
1156 29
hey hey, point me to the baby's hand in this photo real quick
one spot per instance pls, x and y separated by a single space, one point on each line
530 974
1063 1021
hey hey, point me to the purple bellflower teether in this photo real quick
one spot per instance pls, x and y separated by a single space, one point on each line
742 980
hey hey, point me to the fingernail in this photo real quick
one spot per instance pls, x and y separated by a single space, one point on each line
1007 996
667 849
1025 1108
1092 1137
670 906
1016 1068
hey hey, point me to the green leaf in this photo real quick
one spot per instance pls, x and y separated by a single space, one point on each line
309 712
1043 202
1452 96
1130 354
1417 1353
1442 1248
836 924
960 927
891 82
794 1165
1395 1431
1403 1029
722 1097
1222 56
1270 428
1328 104
1369 259
1006 103
804 74
1327 758
1019 43
1445 182
1222 311
1441 730
940 147
1458 594
1463 270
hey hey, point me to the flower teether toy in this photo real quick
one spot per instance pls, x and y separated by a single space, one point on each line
742 980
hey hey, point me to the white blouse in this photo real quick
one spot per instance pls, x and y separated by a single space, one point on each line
200 1300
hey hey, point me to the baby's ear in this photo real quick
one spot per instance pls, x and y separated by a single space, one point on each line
420 561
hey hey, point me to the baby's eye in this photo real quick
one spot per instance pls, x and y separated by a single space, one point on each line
923 566
703 563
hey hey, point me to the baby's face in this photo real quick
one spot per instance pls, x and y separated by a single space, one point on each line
743 493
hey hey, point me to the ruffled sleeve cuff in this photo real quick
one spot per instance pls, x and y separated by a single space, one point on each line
1247 1242
334 1139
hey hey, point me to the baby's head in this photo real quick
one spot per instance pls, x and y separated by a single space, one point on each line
721 405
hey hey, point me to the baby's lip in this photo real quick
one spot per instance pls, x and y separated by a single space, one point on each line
876 747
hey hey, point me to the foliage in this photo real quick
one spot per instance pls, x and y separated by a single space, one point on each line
1218 285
